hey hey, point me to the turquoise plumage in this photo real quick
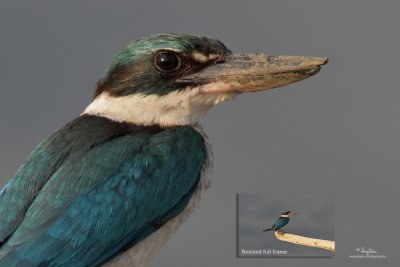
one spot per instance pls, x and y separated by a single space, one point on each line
96 197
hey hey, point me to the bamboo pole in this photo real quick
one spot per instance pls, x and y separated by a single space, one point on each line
305 241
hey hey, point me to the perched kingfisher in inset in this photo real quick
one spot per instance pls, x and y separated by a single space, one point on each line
113 185
281 222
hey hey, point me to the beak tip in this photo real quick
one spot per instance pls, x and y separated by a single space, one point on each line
325 60
319 61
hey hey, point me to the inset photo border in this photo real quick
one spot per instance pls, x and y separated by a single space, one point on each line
276 225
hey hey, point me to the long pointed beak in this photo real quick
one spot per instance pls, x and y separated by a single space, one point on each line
293 213
240 73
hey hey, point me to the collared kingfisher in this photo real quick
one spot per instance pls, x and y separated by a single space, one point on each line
281 222
113 185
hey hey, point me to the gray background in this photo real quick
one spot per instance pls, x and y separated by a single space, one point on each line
335 132
258 211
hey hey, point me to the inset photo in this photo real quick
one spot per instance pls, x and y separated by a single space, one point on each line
276 225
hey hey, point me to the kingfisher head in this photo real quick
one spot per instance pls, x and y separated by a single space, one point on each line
288 213
173 79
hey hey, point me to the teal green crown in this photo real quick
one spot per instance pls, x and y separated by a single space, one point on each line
133 71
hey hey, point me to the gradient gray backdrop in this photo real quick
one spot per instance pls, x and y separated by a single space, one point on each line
335 132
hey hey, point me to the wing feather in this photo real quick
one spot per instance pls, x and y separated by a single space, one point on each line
115 194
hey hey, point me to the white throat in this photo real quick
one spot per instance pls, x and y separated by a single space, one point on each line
176 108
285 216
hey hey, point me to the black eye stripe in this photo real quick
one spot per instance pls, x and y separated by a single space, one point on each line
176 64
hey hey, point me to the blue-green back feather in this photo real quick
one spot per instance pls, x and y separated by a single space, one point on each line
118 191
282 221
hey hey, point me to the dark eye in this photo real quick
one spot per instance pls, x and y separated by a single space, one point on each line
167 61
